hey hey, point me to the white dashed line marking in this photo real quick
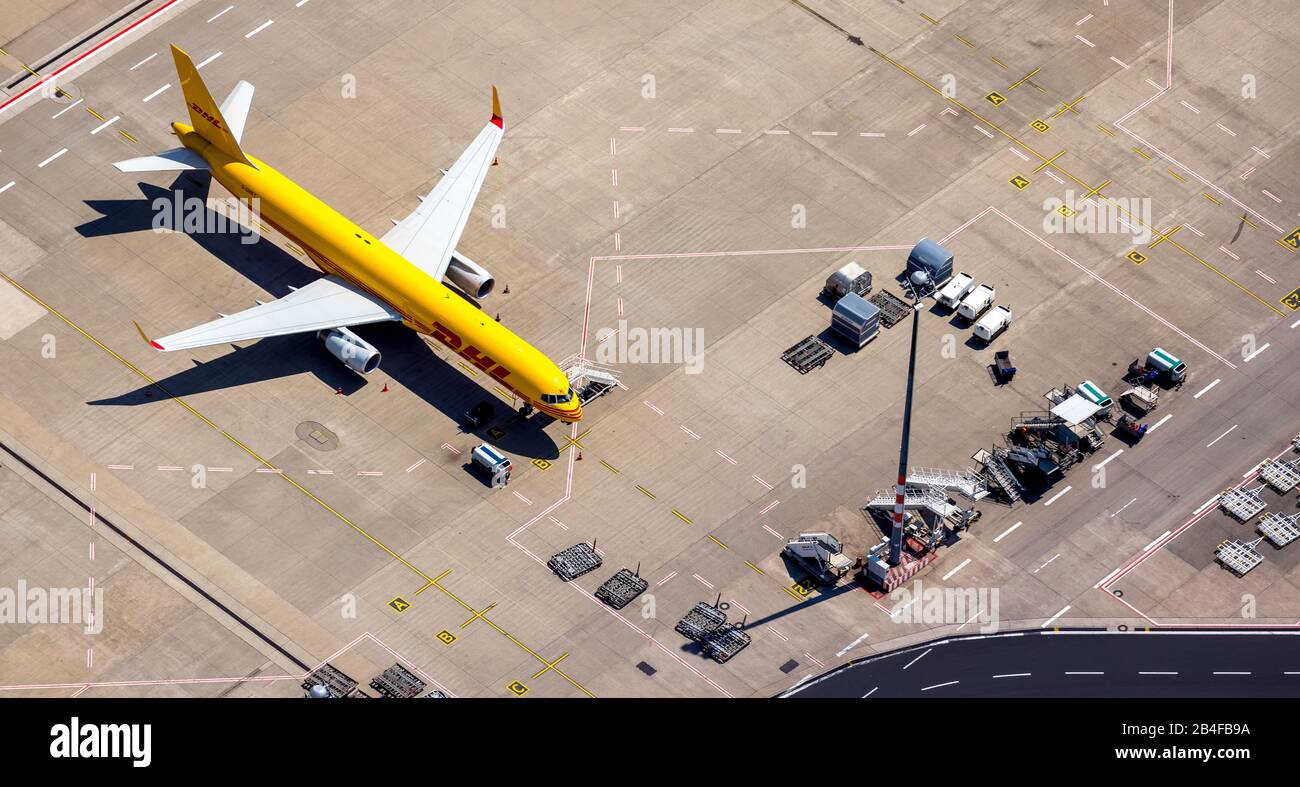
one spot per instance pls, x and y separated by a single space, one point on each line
259 28
984 131
918 658
142 62
1121 63
1086 41
1159 423
51 158
1007 532
1106 461
66 109
1202 392
221 14
105 124
521 497
156 93
1252 356
209 60
1220 437
959 567
1057 496
1013 675
6 187
914 131
941 685
1055 617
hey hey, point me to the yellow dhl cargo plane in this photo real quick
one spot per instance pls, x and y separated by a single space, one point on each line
395 278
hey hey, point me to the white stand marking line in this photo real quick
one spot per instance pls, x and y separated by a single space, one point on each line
1160 423
1007 532
156 93
301 3
208 60
918 658
869 693
105 124
1014 675
1220 437
1251 357
941 685
221 14
851 646
1057 496
142 62
67 108
1154 541
6 186
1201 392
1121 508
259 28
1055 617
1106 461
959 567
51 158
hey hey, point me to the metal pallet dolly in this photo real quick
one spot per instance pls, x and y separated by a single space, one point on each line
724 642
397 683
332 678
1239 557
808 354
702 619
621 589
893 309
1282 476
1280 530
1243 504
569 564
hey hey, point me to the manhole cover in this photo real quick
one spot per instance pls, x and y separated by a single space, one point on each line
61 94
317 436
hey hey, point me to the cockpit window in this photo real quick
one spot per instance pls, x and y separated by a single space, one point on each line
563 398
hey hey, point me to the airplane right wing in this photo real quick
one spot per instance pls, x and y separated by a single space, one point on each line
325 303
428 236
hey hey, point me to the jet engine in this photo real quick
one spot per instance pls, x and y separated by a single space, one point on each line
355 353
473 279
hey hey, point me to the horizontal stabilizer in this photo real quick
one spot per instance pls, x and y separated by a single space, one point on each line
167 161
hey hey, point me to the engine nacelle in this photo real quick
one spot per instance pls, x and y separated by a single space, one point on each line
355 353
473 279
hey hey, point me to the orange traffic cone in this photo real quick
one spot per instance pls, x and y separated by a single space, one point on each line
338 391
385 390
579 456
506 291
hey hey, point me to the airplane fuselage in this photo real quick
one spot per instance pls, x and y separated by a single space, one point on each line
340 247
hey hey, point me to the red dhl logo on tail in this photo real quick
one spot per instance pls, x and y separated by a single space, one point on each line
206 115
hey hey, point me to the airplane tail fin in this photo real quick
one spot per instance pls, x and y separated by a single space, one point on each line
205 114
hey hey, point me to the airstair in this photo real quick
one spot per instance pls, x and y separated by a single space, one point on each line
587 379
967 483
999 473
914 497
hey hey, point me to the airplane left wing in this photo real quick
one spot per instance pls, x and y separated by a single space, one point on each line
428 236
325 303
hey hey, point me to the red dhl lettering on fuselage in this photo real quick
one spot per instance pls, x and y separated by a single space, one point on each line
474 355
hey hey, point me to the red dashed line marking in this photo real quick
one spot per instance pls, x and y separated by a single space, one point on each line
121 467
558 523
689 432
521 497
769 507
1247 173
665 580
370 473
1228 252
724 456
773 532
916 130
1260 152
414 466
813 659
450 447
1189 106
761 482
739 606
652 407
1271 195
1266 277
778 634
706 583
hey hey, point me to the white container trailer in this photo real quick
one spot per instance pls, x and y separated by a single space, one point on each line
958 287
977 302
993 323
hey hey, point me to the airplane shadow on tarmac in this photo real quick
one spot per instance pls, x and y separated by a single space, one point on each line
407 359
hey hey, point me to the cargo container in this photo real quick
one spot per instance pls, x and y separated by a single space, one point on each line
958 287
977 302
990 325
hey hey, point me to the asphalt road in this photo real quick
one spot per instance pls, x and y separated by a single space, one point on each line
1076 664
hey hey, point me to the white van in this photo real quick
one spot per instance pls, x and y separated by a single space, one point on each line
1089 390
977 302
956 289
992 324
